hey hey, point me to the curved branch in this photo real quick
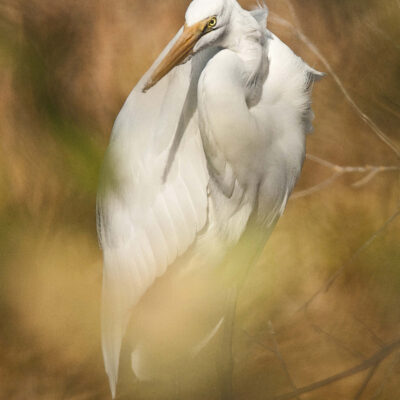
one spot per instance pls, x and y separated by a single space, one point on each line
317 188
371 362
339 170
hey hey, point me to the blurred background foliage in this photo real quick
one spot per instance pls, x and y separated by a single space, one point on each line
66 69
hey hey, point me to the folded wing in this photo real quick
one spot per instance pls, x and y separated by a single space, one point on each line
152 200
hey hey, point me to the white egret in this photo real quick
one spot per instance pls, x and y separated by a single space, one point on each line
204 153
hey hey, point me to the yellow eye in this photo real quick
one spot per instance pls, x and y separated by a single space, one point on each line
212 22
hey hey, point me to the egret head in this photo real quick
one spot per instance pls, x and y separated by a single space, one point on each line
206 24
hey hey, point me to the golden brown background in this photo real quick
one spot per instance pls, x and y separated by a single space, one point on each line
65 69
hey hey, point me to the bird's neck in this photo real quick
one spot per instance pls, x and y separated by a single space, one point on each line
230 84
247 39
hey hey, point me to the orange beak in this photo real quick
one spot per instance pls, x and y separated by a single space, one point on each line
182 49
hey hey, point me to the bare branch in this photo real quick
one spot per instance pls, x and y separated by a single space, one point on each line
368 178
387 374
364 246
371 362
376 338
298 32
321 161
334 339
339 170
258 342
281 359
366 381
349 169
317 188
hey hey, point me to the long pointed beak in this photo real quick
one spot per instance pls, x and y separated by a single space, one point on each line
181 50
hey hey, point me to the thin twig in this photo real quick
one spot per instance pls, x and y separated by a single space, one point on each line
258 342
364 246
368 178
281 359
317 188
387 374
338 171
366 381
349 169
313 48
331 337
377 339
376 359
321 161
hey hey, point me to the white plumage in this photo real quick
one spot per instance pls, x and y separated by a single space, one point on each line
213 143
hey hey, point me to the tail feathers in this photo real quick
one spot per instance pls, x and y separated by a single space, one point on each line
114 320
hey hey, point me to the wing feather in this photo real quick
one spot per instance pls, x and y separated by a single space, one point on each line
145 219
